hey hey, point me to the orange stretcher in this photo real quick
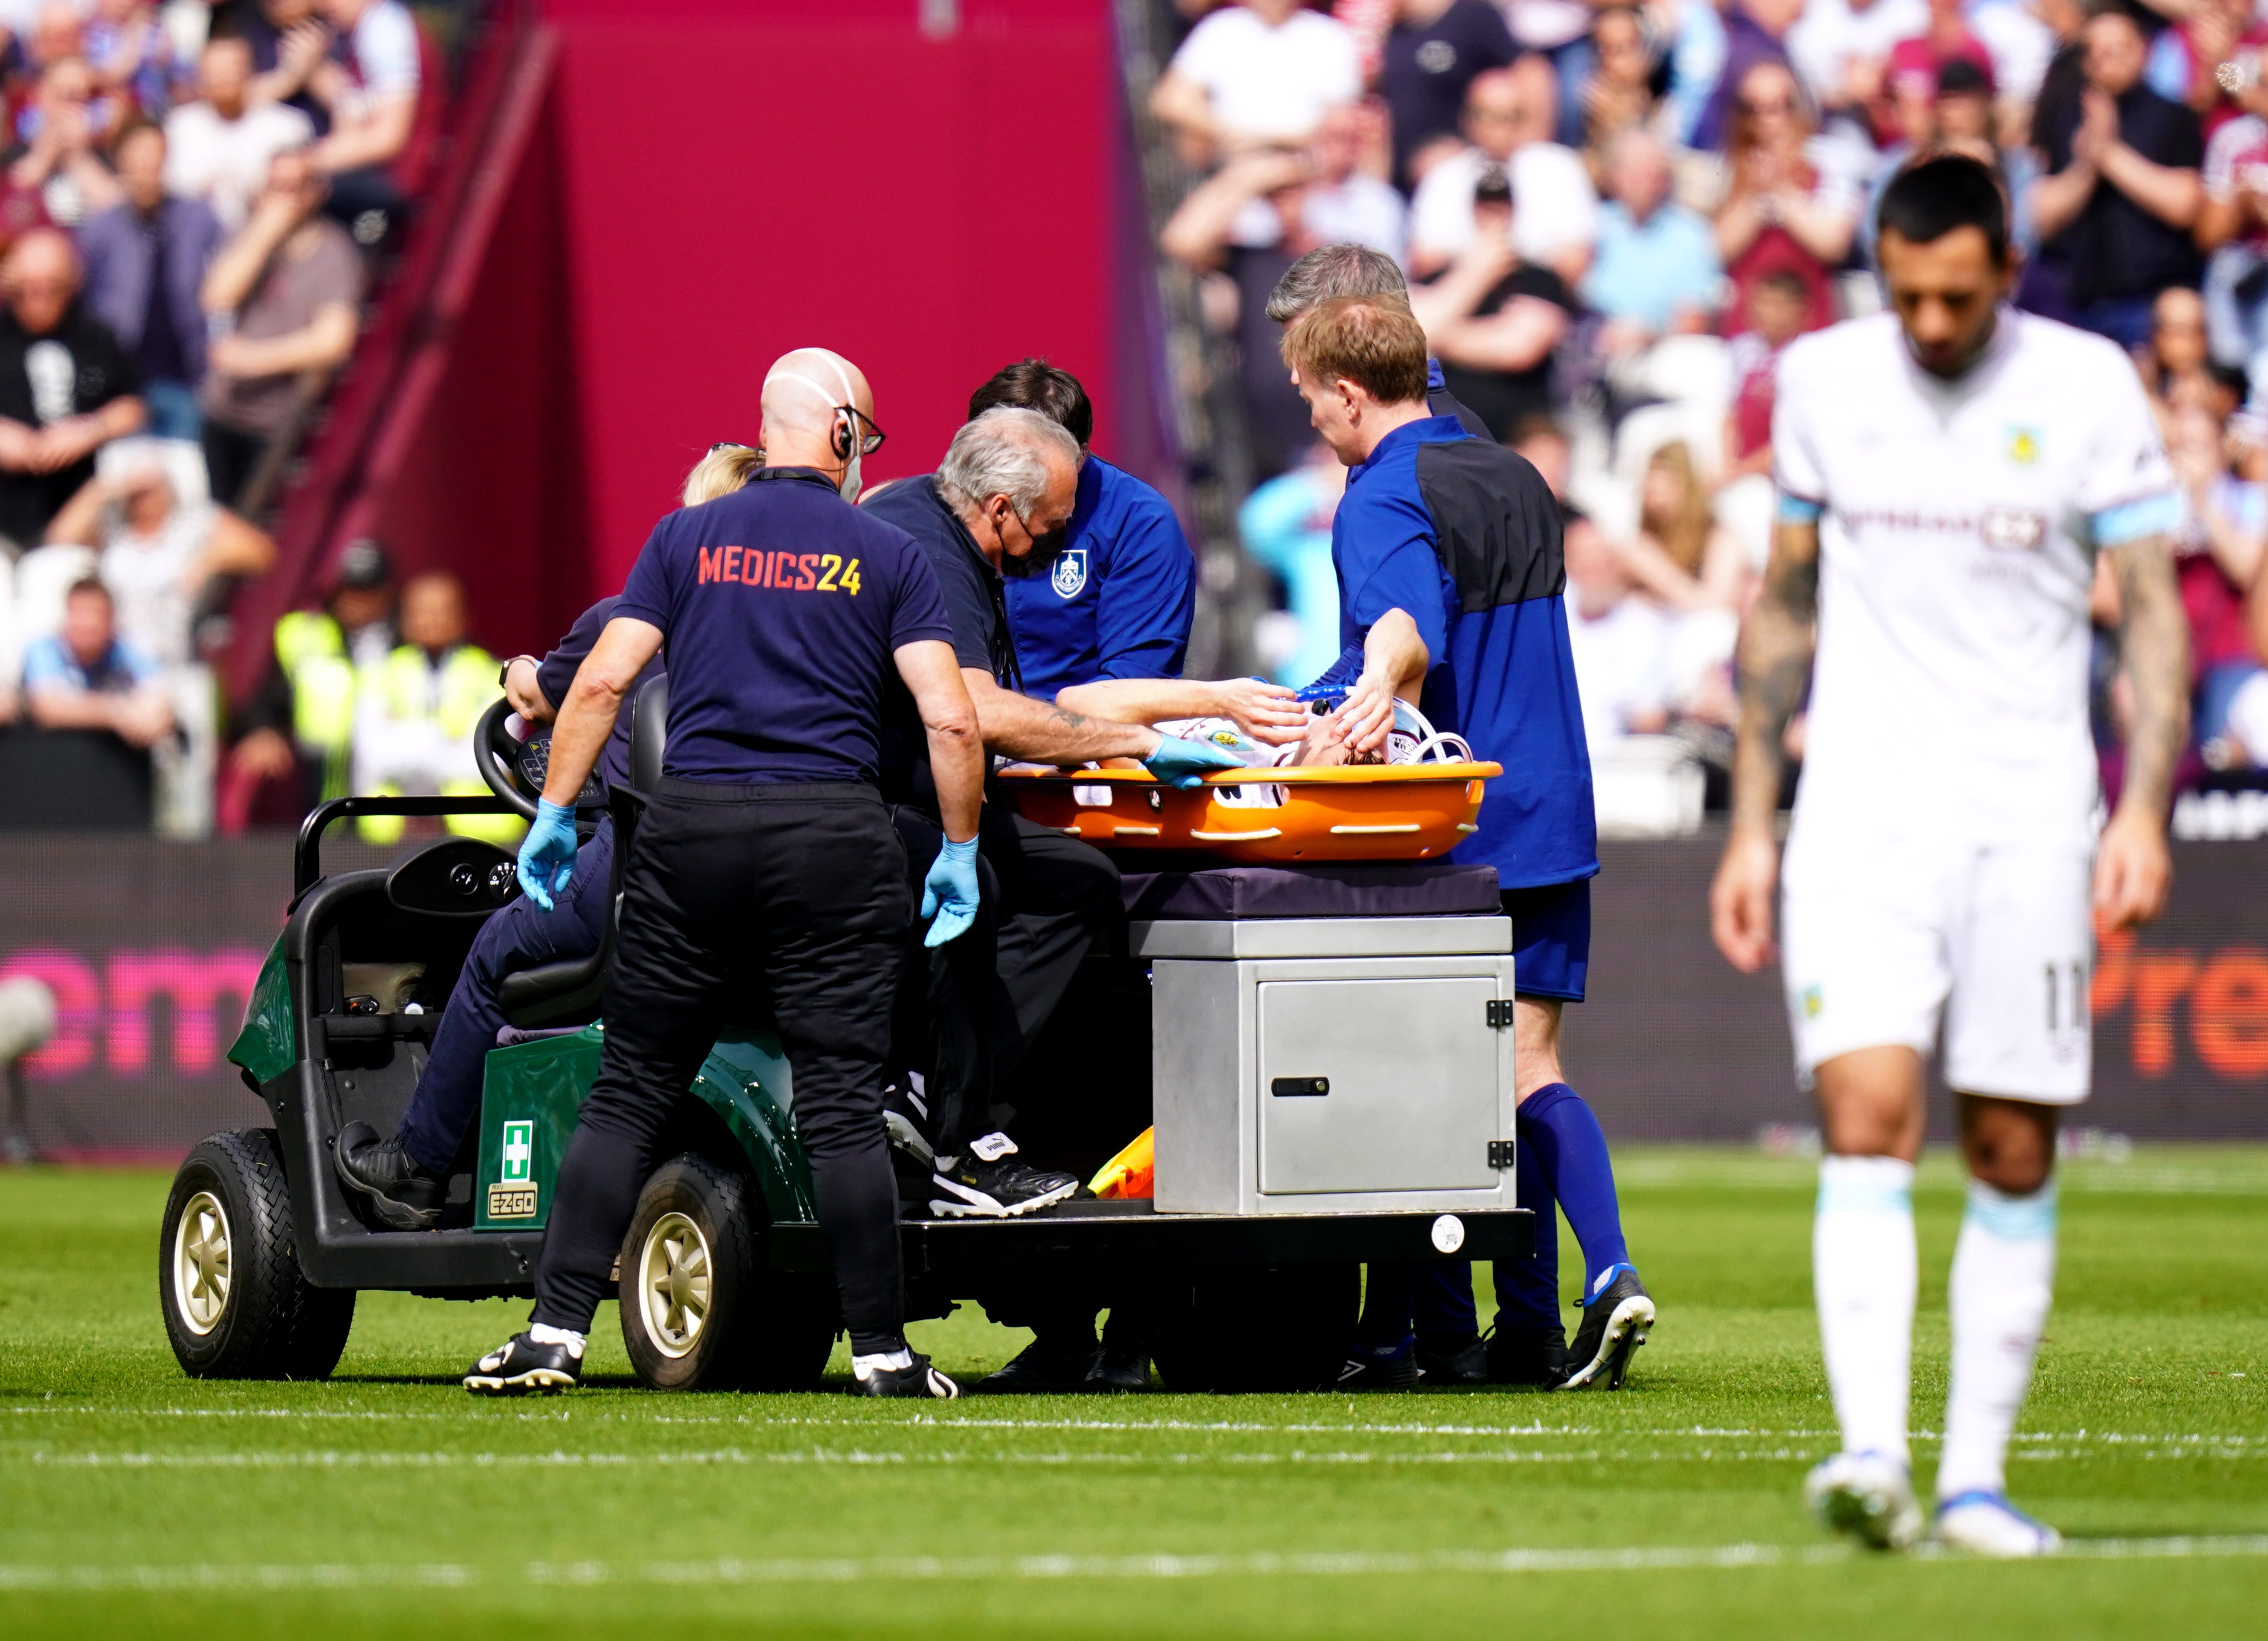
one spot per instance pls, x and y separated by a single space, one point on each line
1350 811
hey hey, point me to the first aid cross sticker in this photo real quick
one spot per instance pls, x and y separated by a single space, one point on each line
518 1150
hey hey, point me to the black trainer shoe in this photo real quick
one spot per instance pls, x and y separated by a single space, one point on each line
1371 1369
402 1195
986 1183
1043 1368
1616 1320
519 1364
918 1378
1529 1359
1119 1370
1445 1364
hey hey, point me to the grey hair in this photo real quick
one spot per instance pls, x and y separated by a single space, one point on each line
1004 452
1333 270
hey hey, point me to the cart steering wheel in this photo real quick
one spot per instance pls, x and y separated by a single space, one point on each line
515 770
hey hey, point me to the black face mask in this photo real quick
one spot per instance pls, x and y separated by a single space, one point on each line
1043 553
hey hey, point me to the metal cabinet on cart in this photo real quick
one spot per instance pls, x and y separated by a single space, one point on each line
1331 1064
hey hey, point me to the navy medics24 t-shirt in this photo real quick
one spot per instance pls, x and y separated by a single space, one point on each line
1464 536
1117 601
782 604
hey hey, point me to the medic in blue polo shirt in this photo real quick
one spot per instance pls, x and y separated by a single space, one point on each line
1116 599
1448 557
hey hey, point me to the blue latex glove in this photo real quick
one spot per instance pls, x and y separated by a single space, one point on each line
1184 763
547 857
949 893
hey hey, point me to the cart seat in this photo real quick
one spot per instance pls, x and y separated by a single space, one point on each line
551 993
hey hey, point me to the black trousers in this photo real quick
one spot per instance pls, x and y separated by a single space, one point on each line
979 1000
793 891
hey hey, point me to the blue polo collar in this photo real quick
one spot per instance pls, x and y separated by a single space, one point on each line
1432 430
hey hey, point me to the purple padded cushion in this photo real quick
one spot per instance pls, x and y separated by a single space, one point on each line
1430 889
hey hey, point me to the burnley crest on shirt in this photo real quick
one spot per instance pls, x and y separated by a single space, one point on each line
1069 577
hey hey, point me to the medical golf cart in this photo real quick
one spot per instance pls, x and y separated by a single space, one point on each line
1312 1006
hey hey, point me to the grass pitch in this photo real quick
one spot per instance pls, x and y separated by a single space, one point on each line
135 1501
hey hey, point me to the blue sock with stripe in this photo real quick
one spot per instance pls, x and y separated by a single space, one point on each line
1571 1153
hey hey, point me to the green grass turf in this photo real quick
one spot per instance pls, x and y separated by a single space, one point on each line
135 1501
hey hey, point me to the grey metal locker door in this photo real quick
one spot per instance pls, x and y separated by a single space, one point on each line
1377 1085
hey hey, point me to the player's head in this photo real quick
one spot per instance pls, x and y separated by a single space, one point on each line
1334 270
1946 261
1354 359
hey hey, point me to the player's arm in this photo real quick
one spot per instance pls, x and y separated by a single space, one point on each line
1775 665
2133 869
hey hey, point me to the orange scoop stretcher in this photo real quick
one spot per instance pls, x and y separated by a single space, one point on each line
1349 812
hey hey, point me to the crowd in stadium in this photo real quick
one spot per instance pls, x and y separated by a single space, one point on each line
1615 216
193 200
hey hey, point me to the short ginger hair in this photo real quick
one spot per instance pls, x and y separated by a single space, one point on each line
1373 342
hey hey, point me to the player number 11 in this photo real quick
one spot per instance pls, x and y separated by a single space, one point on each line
2077 1004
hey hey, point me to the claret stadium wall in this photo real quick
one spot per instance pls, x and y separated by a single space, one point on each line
648 200
643 203
150 947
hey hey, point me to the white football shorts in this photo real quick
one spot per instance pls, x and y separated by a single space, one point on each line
1879 943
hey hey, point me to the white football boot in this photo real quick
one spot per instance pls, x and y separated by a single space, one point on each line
1867 1495
1986 1524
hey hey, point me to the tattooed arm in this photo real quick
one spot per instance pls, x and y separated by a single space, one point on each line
1775 664
1043 732
2132 868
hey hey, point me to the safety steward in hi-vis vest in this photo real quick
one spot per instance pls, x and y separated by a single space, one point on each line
415 711
311 651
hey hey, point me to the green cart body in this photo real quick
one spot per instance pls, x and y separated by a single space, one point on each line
725 1278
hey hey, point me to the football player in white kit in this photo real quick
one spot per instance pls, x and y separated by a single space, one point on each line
1949 472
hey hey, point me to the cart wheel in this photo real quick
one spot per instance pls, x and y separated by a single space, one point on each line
1281 1327
699 1310
236 1303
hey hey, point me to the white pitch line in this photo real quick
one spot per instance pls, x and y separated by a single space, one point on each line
734 1457
248 1413
846 1570
442 1458
927 1423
